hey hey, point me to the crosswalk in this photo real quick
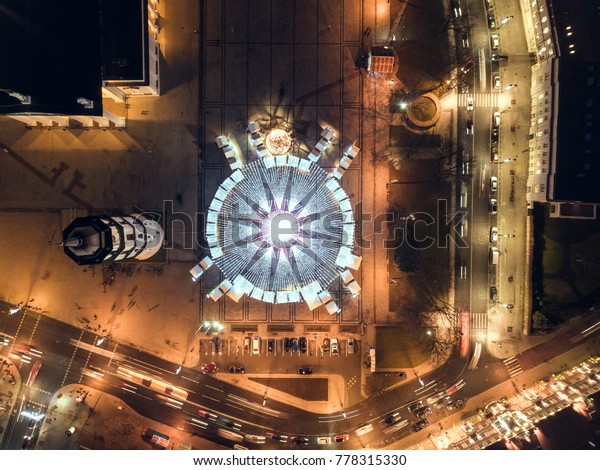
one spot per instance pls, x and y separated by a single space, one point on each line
479 321
480 100
513 366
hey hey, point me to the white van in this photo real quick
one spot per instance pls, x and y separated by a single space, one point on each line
494 255
256 345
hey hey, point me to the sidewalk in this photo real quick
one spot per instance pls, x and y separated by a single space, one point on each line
9 388
103 421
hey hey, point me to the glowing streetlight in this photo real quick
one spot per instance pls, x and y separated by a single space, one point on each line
508 87
505 20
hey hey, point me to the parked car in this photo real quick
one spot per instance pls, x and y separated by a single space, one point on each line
351 345
216 346
493 234
491 20
495 135
419 425
493 184
496 119
493 293
270 345
493 206
335 349
237 369
341 437
247 342
422 412
256 345
305 370
495 41
294 344
302 344
287 344
324 440
277 437
454 405
326 343
415 406
497 82
499 57
494 154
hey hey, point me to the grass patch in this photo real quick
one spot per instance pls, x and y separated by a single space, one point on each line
553 255
398 347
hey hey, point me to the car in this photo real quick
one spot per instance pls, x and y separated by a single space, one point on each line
493 184
4 340
422 412
299 441
463 227
419 425
239 447
495 135
464 196
454 405
469 126
495 41
256 345
464 39
326 343
466 162
493 293
71 431
496 119
493 234
494 255
468 66
497 82
493 206
208 368
392 419
294 344
27 442
247 342
470 103
341 437
364 429
350 347
302 344
324 440
232 424
236 369
494 154
456 8
31 423
491 20
206 414
255 439
287 344
305 370
335 350
464 89
499 57
415 406
277 437
270 345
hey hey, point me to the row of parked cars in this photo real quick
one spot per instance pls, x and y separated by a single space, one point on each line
294 345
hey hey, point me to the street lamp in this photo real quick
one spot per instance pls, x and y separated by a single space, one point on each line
506 160
508 87
505 20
